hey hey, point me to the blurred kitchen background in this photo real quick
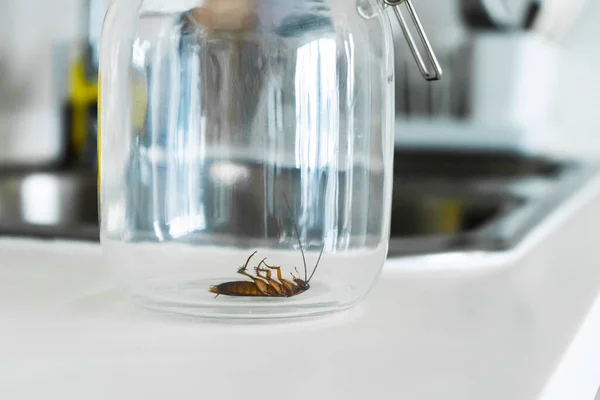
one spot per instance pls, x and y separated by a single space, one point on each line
482 156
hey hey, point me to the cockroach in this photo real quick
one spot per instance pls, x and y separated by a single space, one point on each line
263 284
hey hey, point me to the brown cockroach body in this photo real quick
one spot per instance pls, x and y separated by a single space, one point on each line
263 284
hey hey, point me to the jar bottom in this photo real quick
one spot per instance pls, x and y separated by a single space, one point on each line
189 298
177 278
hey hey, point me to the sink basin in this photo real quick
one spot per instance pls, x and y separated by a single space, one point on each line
443 202
419 210
473 165
460 201
49 204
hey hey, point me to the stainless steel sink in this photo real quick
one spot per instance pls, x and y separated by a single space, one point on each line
49 204
448 202
443 202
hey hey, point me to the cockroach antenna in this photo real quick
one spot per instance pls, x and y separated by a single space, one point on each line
317 264
297 236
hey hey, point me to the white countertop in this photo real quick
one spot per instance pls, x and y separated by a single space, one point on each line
519 325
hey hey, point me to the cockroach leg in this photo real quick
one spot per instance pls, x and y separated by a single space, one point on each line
278 287
266 272
242 271
243 268
260 284
277 270
258 270
286 287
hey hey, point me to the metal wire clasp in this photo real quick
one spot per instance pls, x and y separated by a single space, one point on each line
437 70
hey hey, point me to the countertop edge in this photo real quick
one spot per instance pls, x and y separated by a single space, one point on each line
578 374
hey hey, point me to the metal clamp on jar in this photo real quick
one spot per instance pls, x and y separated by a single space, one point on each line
437 70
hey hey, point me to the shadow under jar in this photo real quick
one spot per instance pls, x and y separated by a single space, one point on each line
246 126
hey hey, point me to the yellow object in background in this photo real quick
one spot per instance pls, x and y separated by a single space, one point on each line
99 133
442 216
450 216
83 93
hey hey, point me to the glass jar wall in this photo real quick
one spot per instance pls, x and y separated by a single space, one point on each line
246 127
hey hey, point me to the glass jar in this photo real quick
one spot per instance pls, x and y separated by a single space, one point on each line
246 153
